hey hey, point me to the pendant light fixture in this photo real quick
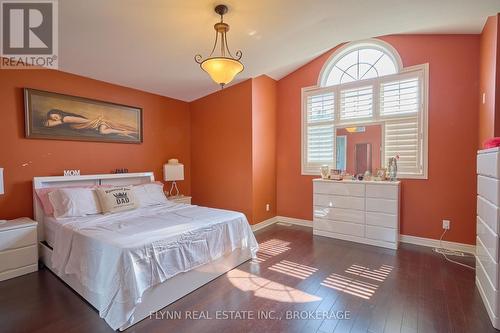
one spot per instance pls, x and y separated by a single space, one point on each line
224 67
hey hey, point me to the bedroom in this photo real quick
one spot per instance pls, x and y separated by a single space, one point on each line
329 90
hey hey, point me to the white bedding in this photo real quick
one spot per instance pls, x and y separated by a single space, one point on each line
50 225
120 256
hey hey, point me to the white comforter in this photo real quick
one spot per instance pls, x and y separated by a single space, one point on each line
120 256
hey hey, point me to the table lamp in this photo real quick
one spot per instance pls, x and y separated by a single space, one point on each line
172 172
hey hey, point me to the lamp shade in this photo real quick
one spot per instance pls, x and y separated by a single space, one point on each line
1 181
173 172
222 70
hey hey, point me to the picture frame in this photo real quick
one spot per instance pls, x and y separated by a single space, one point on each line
55 116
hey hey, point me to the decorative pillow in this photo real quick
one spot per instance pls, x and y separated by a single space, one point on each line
117 199
73 202
150 194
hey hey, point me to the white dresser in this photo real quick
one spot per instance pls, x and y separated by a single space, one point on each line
18 248
488 220
359 211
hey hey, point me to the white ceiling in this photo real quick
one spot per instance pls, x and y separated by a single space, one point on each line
150 45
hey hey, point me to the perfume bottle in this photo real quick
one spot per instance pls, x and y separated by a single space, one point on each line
393 168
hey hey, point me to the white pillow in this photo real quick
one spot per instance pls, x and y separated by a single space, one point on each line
73 202
116 199
150 194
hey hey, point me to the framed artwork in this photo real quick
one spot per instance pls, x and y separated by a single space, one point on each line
56 116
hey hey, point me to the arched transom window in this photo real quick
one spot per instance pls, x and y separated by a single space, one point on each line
360 64
364 92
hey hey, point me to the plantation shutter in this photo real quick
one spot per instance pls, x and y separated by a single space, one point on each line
400 97
403 135
319 132
398 103
356 103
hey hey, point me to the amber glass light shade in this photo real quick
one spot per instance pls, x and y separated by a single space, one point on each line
222 70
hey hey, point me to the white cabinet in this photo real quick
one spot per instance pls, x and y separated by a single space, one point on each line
487 231
359 211
18 248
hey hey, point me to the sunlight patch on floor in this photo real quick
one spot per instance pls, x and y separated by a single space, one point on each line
350 285
266 288
271 248
293 269
379 274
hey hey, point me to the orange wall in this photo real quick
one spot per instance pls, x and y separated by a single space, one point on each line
489 112
450 191
221 149
166 135
373 135
233 148
264 108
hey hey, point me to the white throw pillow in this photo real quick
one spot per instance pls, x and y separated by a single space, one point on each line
150 194
73 202
117 199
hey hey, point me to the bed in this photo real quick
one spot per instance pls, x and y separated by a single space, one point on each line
132 263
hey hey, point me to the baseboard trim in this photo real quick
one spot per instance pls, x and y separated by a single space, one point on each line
284 219
422 241
429 242
292 220
264 224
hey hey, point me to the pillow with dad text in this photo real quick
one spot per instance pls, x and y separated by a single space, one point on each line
117 199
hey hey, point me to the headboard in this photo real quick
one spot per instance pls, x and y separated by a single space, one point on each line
104 179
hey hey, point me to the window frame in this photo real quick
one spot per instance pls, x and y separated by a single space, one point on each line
422 71
354 46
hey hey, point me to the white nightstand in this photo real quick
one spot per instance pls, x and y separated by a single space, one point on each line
18 248
180 199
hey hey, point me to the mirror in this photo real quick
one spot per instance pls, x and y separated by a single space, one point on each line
359 149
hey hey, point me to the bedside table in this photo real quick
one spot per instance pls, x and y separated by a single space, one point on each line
18 248
180 199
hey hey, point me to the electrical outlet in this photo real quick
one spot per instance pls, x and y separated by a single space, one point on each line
446 224
268 208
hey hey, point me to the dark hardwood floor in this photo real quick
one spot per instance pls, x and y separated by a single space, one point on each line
310 282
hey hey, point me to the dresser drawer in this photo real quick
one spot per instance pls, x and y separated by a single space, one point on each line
382 220
488 164
15 238
489 189
339 188
336 201
382 205
381 233
16 258
489 213
339 214
490 267
382 191
339 227
491 294
488 238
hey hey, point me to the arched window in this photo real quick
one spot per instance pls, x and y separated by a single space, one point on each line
364 86
360 61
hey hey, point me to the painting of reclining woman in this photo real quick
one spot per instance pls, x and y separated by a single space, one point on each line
63 117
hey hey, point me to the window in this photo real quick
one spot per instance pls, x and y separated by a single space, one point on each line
365 83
